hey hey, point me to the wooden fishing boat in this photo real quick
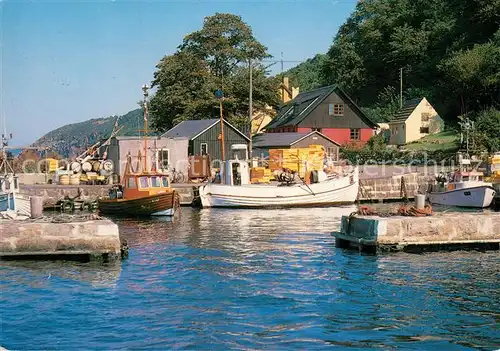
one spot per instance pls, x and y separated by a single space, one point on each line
141 193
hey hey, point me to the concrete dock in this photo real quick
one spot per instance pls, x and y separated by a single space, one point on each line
87 238
416 234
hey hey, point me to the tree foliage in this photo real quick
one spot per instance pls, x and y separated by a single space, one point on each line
307 75
448 50
215 57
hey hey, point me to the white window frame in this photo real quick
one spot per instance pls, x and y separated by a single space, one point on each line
331 109
201 148
158 153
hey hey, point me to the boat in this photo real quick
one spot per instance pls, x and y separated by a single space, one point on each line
233 189
462 189
11 201
141 193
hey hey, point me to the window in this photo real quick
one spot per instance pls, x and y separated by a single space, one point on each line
354 134
204 149
143 181
155 182
162 156
316 129
424 130
165 181
131 183
331 152
425 116
336 109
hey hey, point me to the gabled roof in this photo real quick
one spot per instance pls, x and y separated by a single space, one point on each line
266 140
296 110
191 129
405 112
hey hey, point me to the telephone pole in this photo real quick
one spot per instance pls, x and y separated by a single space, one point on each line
401 87
250 109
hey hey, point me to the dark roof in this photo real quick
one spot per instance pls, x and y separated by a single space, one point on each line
189 129
266 140
192 128
405 112
296 110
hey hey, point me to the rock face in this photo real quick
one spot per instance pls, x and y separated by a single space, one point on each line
30 238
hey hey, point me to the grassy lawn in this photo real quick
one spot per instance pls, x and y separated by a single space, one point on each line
446 141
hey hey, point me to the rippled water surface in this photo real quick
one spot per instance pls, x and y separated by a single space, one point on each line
224 279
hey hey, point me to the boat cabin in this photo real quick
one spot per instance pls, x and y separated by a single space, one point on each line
467 177
140 185
234 172
9 184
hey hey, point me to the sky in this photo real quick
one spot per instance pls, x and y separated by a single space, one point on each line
68 61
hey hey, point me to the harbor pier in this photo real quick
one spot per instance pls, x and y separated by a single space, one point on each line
446 231
87 238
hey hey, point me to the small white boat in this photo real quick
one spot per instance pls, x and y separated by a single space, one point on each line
462 189
10 199
236 191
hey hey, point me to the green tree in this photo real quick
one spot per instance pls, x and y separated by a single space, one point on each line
308 74
487 129
215 57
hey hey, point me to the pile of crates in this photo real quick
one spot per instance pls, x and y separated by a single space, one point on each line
260 175
298 160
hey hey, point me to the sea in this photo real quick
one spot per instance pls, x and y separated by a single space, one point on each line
219 279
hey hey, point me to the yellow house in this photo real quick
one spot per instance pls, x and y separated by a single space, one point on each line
263 117
414 121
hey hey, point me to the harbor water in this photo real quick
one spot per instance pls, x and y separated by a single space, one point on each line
264 279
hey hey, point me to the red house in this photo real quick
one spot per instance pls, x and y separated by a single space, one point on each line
328 110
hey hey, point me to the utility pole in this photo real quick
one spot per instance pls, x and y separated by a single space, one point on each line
401 87
145 102
250 109
220 95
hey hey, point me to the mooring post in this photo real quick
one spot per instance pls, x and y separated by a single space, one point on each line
36 203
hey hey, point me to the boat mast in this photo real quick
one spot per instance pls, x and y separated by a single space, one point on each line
145 94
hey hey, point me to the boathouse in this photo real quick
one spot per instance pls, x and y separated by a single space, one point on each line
204 138
162 153
328 110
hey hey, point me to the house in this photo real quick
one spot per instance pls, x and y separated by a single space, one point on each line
416 119
262 118
286 92
162 153
204 138
328 110
262 143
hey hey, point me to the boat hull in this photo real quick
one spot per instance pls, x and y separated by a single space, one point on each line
339 191
15 202
477 197
163 204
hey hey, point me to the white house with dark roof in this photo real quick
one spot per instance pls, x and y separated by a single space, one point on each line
415 120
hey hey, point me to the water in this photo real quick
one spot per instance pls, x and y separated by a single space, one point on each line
224 279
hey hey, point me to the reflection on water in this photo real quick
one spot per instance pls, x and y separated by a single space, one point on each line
228 279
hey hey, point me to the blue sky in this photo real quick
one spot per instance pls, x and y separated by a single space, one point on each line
65 62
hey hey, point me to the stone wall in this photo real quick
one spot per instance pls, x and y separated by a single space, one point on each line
390 188
33 237
52 193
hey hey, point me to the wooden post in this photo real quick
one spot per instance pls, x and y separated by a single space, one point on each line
222 131
36 203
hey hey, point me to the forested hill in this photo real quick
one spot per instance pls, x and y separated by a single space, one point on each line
448 50
72 139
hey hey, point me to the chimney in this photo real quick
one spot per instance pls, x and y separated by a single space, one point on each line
285 81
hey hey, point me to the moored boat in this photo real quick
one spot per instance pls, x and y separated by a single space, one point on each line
141 193
319 189
462 189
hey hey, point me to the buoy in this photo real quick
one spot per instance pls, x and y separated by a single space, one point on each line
107 165
96 166
76 166
64 179
86 166
74 179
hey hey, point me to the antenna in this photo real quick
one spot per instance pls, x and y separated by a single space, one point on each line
282 63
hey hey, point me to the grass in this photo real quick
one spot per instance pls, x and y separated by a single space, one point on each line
446 141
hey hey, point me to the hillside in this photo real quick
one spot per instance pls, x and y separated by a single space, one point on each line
308 74
72 139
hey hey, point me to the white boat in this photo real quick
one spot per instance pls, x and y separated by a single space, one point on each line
10 199
235 190
462 189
